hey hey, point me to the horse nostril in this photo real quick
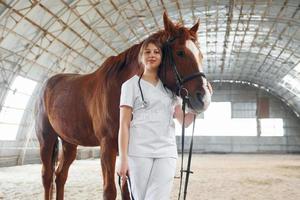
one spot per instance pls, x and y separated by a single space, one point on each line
199 96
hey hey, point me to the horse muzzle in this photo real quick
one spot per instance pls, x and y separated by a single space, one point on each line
198 102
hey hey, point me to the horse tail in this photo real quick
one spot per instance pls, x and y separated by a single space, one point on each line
54 160
55 154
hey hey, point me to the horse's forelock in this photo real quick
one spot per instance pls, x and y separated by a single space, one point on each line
182 34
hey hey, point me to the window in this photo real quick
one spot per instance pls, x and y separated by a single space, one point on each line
291 81
218 122
271 127
244 109
14 106
218 111
292 84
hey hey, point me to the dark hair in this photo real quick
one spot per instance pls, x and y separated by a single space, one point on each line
146 42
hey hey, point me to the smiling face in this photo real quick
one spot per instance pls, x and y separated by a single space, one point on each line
151 57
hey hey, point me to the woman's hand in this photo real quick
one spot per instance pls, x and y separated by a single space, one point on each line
178 114
122 169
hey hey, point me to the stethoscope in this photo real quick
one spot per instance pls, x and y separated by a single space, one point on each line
145 104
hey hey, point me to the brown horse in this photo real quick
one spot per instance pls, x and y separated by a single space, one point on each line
84 109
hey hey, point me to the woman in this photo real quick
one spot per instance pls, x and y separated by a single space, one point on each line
147 145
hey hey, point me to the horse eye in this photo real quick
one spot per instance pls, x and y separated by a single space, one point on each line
180 53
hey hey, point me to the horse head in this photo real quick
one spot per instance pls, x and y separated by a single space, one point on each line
181 69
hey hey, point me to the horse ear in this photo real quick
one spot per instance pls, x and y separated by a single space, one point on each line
194 29
168 24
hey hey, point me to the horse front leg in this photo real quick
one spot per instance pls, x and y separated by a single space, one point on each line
108 160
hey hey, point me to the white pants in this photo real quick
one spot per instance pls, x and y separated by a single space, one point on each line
151 178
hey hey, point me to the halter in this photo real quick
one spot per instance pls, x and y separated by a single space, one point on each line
184 93
179 80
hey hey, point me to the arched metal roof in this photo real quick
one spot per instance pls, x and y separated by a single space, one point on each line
255 41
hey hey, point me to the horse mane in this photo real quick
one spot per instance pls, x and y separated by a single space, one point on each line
114 65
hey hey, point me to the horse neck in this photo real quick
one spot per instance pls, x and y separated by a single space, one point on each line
119 68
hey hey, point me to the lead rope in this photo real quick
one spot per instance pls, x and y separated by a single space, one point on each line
182 143
188 169
128 186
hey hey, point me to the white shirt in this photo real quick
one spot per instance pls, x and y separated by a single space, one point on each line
152 129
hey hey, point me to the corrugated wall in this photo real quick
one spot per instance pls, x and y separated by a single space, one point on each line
251 102
244 100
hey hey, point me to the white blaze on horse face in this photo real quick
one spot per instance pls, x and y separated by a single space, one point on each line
197 54
193 48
